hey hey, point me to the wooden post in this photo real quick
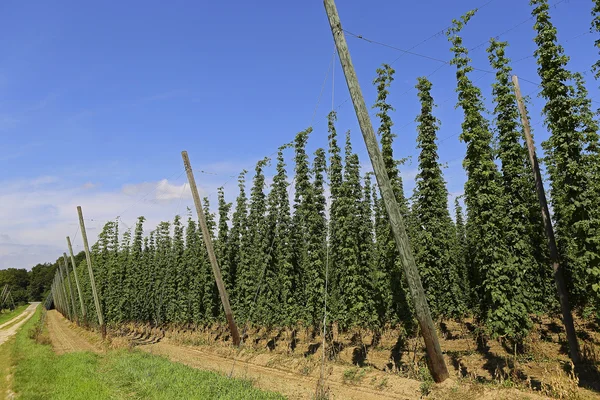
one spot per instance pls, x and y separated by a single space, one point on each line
81 303
53 296
71 291
211 252
435 358
64 291
559 276
54 299
3 296
88 258
58 296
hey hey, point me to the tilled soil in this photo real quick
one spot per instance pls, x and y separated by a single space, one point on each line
64 339
7 331
290 384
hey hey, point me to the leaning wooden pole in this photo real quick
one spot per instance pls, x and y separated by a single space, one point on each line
64 291
71 291
559 276
73 264
435 358
211 252
57 294
88 258
54 296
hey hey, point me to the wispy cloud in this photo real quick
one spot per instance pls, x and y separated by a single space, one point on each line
37 214
8 122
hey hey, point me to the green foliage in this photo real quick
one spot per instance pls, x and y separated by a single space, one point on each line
314 270
178 284
392 305
254 245
437 262
17 281
135 279
239 227
460 253
356 307
491 263
524 234
210 302
571 161
596 27
276 300
300 228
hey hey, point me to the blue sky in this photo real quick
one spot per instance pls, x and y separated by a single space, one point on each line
97 99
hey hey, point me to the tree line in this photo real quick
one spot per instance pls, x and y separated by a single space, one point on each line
32 285
280 256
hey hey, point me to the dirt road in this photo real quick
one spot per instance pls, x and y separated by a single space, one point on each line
6 332
64 338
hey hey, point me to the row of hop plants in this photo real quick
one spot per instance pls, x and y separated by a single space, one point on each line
489 262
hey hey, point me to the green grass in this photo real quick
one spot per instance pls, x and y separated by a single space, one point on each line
38 373
6 316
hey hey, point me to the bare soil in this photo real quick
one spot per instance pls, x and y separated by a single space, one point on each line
67 337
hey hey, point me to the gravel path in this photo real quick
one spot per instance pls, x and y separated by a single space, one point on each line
7 332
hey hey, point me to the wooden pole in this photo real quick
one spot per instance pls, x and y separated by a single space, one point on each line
64 290
211 252
57 293
53 296
60 294
435 358
81 303
559 277
71 291
54 300
88 258
2 296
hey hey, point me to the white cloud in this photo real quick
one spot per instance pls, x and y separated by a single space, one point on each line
161 191
89 185
7 122
37 214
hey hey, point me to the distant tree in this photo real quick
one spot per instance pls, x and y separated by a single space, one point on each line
40 281
17 281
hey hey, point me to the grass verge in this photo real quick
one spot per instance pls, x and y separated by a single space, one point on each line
7 316
39 373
